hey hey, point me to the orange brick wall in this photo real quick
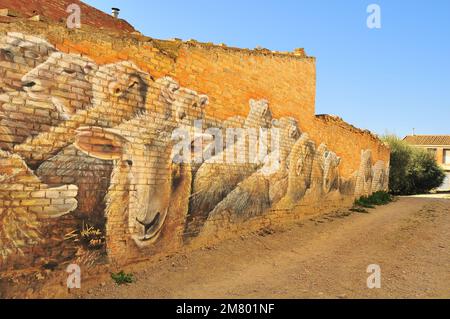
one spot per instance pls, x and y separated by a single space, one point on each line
232 77
100 87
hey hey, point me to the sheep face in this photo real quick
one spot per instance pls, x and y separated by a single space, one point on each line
64 80
380 175
188 106
301 161
260 114
330 167
139 180
166 88
289 127
364 178
120 87
19 54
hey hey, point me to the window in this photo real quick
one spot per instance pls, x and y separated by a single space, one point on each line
447 157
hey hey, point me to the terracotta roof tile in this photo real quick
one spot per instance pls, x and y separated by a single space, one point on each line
434 140
55 10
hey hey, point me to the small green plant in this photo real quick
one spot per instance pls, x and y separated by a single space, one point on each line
376 199
121 278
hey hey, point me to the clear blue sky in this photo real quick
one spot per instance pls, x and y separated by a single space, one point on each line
388 80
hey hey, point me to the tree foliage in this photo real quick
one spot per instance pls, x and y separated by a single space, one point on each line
412 170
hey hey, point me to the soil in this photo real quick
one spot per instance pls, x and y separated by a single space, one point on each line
322 257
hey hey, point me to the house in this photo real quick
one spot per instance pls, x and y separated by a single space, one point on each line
439 146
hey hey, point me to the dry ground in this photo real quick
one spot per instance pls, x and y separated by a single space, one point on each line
325 257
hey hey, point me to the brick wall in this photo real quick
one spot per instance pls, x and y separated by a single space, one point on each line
88 168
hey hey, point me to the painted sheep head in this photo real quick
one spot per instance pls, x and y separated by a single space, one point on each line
330 166
65 80
140 183
19 54
260 115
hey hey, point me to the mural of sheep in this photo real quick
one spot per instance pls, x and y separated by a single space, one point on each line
331 172
148 193
105 134
216 177
301 161
19 54
119 93
317 173
289 133
380 177
364 177
64 80
256 194
92 175
50 94
24 201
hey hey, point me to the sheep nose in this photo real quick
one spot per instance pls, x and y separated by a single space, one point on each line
148 223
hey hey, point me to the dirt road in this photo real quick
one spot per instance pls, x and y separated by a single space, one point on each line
326 257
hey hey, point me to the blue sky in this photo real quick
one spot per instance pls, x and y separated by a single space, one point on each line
389 80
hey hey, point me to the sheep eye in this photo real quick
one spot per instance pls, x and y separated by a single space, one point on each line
8 55
69 71
129 162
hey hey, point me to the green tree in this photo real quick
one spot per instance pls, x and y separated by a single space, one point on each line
413 170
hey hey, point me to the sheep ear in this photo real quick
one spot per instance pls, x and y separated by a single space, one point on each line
204 100
89 69
100 143
134 80
252 103
264 107
338 161
169 84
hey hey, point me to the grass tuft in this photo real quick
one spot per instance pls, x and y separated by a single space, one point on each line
376 199
122 278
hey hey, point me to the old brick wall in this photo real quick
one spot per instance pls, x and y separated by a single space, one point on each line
87 169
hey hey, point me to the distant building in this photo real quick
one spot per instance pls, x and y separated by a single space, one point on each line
439 146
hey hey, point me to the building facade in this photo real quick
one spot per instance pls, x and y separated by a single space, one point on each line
439 146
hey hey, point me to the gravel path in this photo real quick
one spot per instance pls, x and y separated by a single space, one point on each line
325 257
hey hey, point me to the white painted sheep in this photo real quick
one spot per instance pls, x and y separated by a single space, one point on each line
149 193
92 175
301 161
364 177
256 194
219 175
19 54
119 92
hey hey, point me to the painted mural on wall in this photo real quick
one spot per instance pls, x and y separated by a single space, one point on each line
90 169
